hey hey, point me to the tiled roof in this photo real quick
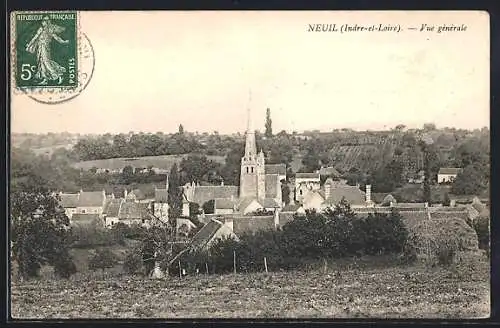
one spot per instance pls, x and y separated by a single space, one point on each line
203 194
205 234
112 207
479 207
352 194
449 170
91 198
224 203
330 171
410 205
69 200
279 169
161 195
269 203
131 210
307 176
244 202
248 224
272 185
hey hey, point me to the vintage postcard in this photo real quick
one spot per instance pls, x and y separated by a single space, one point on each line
249 164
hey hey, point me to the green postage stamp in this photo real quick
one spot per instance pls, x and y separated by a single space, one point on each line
46 50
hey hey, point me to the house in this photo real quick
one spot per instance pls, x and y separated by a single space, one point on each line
279 169
210 233
134 213
194 193
448 174
160 204
111 211
224 206
69 202
329 172
305 182
137 195
91 202
331 193
86 219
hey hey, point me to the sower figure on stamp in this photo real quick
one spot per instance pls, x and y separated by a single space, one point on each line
47 69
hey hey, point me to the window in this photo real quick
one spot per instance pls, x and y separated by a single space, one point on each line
247 169
300 192
252 169
112 222
83 211
142 220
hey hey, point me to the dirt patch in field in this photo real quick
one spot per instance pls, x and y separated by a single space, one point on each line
461 291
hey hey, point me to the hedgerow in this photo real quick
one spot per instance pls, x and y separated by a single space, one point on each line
336 233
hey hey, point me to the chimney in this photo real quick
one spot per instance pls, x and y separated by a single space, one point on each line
453 203
391 204
368 193
328 189
125 193
222 183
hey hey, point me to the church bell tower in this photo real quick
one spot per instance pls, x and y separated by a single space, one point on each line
252 174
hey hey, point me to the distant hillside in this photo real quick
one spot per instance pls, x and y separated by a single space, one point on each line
161 162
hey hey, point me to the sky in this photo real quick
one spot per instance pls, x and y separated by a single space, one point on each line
155 70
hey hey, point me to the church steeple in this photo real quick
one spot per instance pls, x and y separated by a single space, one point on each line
250 144
252 177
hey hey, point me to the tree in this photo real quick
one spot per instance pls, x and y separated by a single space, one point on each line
471 181
194 210
429 127
196 168
39 233
285 193
103 258
269 122
208 207
174 193
181 129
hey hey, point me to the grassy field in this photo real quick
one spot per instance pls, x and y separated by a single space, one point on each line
341 290
162 162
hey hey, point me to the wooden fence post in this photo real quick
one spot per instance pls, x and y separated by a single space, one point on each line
206 267
234 261
180 270
265 264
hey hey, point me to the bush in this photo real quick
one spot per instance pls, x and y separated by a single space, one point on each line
102 259
64 267
482 227
94 235
445 254
133 262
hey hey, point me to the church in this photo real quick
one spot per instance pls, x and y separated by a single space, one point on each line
259 189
